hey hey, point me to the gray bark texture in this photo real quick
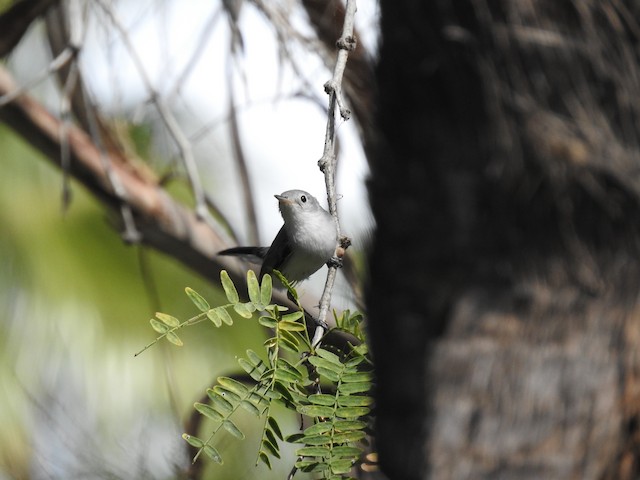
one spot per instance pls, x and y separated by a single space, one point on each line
505 270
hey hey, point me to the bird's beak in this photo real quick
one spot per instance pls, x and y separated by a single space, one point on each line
283 200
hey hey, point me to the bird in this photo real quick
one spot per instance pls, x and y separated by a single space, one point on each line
307 240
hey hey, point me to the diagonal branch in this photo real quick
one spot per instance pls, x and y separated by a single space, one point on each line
166 225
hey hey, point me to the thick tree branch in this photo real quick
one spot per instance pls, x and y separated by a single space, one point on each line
166 225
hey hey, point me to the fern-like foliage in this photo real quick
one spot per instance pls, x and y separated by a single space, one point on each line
260 297
330 389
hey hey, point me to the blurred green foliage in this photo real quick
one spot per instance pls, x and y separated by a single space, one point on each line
74 308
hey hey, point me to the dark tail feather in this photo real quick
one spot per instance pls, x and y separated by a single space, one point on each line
251 254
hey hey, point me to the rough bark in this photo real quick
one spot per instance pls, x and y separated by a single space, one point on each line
505 270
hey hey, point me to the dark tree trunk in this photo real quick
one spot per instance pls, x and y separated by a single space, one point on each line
505 271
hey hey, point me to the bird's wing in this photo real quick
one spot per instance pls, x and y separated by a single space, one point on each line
278 253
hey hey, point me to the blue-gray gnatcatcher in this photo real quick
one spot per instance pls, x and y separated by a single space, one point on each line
306 241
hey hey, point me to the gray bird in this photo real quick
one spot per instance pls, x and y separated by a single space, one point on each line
306 241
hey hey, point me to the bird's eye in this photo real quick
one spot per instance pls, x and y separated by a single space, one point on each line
303 198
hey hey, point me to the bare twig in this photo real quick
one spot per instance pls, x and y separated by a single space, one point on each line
207 32
358 85
66 56
66 30
65 115
327 163
243 171
279 17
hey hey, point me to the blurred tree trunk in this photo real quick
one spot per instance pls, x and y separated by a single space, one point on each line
505 271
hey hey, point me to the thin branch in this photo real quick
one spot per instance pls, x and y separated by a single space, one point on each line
207 32
66 30
65 114
66 56
327 163
359 83
243 171
279 18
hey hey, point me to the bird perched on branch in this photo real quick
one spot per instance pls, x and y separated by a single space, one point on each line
306 241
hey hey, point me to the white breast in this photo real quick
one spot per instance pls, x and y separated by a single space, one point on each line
314 242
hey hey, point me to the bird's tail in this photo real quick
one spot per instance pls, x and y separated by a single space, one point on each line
251 254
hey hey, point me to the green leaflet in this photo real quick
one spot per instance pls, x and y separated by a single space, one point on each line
265 290
233 385
197 299
318 428
250 407
348 425
193 441
228 287
159 326
253 288
233 429
316 410
212 314
322 399
244 309
355 401
221 404
213 454
329 356
168 320
341 466
268 322
345 451
352 412
357 377
326 364
209 412
173 338
264 458
356 387
273 424
328 374
224 315
313 452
